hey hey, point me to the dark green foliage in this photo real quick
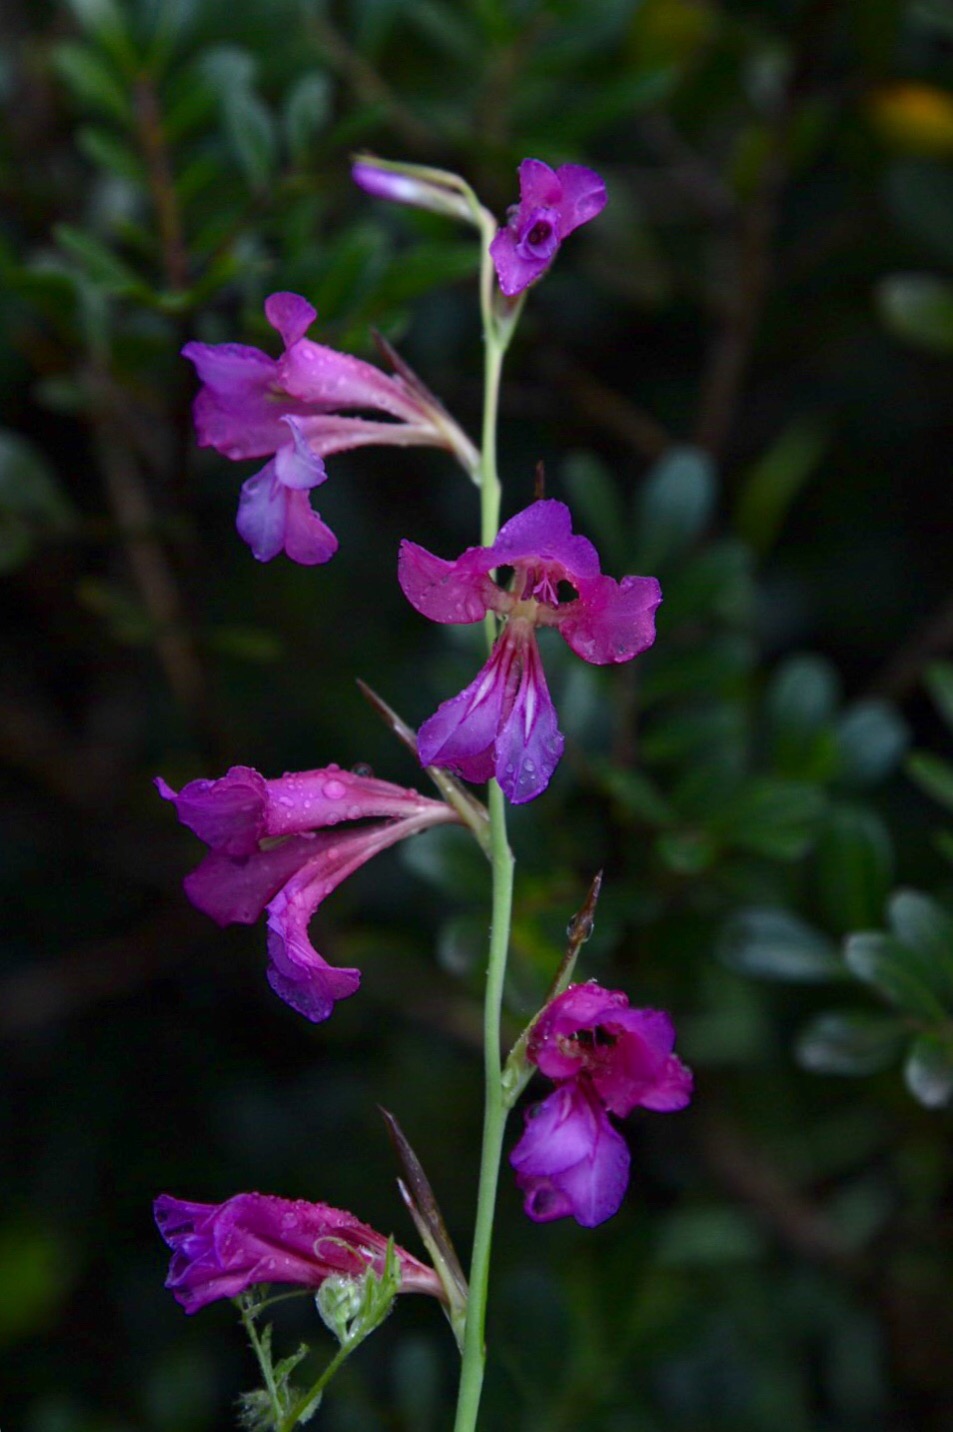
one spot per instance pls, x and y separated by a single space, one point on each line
740 379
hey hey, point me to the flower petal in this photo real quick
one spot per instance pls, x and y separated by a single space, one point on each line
291 314
262 513
611 621
529 743
583 196
539 185
296 463
237 411
542 534
234 891
330 381
444 591
461 733
514 271
228 814
308 540
570 1160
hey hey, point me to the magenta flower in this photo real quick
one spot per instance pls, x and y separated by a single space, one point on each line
503 724
274 846
603 1056
421 188
294 410
570 1161
219 1250
626 1053
552 204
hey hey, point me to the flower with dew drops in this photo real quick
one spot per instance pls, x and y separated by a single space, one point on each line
281 846
552 204
504 724
221 1249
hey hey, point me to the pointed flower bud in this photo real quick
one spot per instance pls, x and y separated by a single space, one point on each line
275 846
415 184
220 1250
504 724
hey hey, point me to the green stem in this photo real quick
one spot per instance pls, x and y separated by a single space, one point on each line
497 331
494 1120
307 1402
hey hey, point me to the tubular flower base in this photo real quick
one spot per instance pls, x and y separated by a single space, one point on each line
274 847
293 410
604 1056
503 724
552 204
220 1250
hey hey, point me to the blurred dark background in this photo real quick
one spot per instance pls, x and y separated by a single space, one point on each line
740 377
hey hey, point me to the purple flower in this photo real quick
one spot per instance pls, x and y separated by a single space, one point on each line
626 1053
503 724
274 846
552 204
294 410
604 1056
422 188
219 1250
570 1161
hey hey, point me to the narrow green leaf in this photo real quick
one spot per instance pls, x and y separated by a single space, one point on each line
894 971
872 737
918 308
853 860
307 111
772 817
939 683
675 505
800 705
929 1070
768 942
250 131
92 80
933 775
849 1042
775 480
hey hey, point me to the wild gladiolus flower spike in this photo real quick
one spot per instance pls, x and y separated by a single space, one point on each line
604 1056
294 410
552 204
276 846
220 1250
503 724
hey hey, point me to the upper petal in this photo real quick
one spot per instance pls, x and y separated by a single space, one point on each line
237 410
611 621
542 533
228 813
583 196
291 314
539 185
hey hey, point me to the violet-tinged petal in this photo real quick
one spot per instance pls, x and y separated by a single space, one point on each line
443 591
234 891
611 621
542 535
220 1250
311 800
261 517
514 271
298 973
539 185
583 196
461 734
237 410
228 814
330 381
329 433
413 189
296 464
529 743
290 314
570 1161
308 540
626 1053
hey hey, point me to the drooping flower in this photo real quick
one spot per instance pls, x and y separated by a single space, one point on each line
604 1057
570 1161
275 847
415 184
503 724
296 410
626 1053
220 1250
552 204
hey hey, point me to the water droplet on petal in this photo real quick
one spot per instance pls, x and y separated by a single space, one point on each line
334 790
